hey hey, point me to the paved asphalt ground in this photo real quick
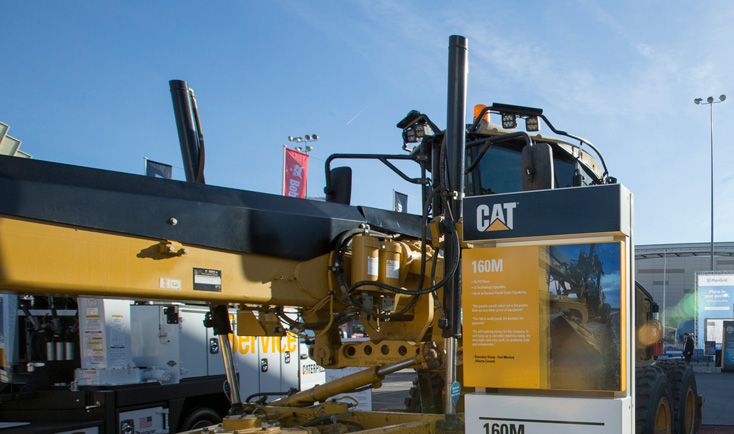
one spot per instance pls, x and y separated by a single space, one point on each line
717 389
393 392
718 408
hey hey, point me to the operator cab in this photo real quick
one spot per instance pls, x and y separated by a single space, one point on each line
501 169
501 158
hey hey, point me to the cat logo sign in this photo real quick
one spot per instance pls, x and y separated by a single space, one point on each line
499 219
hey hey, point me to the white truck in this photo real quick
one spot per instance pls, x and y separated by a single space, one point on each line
87 365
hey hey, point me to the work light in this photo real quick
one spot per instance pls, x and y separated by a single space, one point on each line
509 121
532 124
414 133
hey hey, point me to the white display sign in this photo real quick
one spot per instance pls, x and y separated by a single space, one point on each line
104 333
715 296
715 330
502 414
716 279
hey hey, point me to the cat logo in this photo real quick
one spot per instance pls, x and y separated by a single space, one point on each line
500 218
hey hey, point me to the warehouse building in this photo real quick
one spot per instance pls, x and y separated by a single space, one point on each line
668 272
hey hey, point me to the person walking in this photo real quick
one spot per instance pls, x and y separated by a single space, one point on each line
687 347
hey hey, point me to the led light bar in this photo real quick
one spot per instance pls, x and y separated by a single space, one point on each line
509 120
532 124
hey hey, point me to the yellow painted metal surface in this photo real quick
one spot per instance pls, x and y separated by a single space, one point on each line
45 258
358 422
365 259
504 302
396 422
248 325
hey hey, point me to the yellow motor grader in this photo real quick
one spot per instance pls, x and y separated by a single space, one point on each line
79 231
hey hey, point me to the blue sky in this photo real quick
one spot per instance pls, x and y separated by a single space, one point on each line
86 83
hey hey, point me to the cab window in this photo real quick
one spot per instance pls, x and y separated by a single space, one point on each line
569 173
498 172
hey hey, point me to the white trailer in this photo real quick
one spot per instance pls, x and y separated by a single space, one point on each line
106 366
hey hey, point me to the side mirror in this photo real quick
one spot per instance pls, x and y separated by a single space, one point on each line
537 167
339 185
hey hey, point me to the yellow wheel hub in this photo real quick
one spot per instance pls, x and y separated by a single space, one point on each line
663 418
690 411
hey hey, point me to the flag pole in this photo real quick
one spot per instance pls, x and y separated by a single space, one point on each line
145 165
282 182
305 180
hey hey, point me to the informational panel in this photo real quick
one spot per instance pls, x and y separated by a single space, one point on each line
496 414
505 318
727 348
546 290
715 330
534 314
715 295
104 333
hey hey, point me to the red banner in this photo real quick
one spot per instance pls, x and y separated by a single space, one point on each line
295 173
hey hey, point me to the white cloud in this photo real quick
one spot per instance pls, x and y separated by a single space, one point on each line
610 75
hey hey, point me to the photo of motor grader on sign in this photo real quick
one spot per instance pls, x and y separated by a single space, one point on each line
584 328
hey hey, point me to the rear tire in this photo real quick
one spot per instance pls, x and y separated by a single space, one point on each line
653 402
685 396
199 418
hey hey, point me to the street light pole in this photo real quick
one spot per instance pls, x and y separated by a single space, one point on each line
710 102
711 130
665 285
306 149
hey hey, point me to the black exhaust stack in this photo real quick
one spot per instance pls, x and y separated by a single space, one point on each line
455 151
189 132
